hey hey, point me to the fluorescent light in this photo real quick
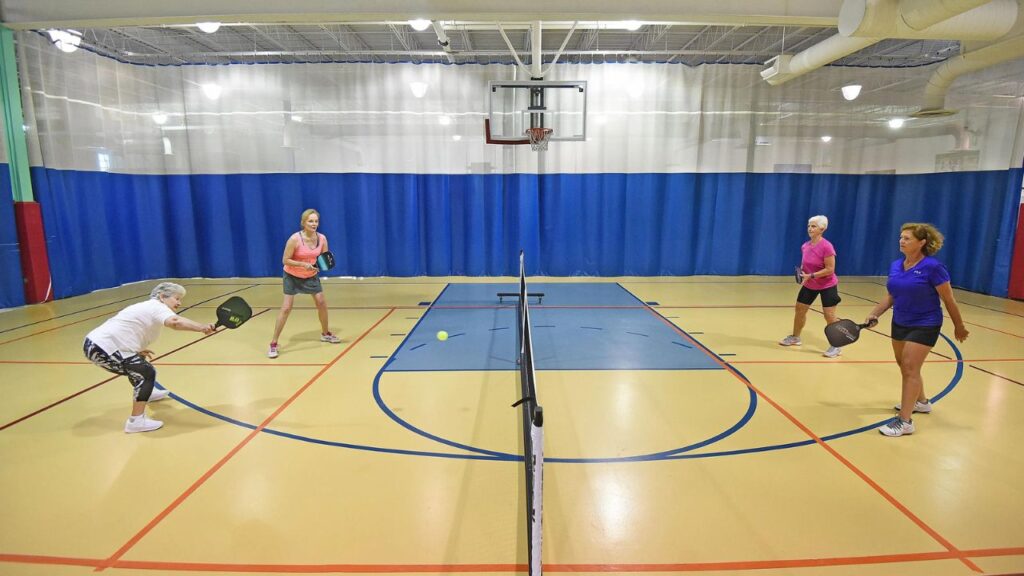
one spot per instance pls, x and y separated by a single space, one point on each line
65 40
419 25
208 27
851 91
211 90
826 138
160 118
896 123
631 25
418 88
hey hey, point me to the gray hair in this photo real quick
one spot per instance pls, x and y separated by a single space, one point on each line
167 289
821 221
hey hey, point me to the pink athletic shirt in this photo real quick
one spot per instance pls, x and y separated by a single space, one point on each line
814 260
304 253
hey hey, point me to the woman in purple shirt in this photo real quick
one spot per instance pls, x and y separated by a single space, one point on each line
916 284
818 274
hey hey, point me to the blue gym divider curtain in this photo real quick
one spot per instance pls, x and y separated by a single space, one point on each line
107 229
12 288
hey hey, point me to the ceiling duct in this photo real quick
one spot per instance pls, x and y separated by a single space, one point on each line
866 22
950 70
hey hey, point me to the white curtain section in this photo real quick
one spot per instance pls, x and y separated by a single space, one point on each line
88 112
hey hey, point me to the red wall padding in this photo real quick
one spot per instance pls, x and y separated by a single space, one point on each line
35 264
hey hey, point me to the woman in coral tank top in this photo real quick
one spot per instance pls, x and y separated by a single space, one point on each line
301 276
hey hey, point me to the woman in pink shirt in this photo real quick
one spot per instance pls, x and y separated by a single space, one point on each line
302 276
818 274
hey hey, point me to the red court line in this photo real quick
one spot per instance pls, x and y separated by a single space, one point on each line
109 562
861 474
503 568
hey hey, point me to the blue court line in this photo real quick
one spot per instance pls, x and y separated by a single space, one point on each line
637 334
417 346
499 328
683 345
590 328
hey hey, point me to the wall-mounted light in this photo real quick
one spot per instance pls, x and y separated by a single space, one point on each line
826 138
851 91
208 27
445 120
296 118
211 90
65 40
419 24
456 137
160 118
418 88
896 123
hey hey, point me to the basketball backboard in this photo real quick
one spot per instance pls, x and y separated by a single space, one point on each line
514 106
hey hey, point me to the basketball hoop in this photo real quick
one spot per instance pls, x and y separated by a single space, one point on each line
539 138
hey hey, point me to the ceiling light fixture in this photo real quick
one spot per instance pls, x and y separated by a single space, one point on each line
65 40
208 27
211 90
896 123
851 91
418 88
826 139
419 25
631 25
296 118
160 118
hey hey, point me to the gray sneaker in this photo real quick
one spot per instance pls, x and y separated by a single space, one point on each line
897 427
832 352
919 407
790 341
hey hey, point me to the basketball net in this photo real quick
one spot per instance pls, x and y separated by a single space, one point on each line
539 138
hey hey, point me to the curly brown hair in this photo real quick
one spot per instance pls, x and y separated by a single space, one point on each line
930 234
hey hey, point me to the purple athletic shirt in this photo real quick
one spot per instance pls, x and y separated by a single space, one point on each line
915 300
814 260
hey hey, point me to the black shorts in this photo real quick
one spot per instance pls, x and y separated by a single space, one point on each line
927 335
294 285
829 296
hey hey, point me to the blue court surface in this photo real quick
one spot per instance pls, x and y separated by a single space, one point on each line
575 327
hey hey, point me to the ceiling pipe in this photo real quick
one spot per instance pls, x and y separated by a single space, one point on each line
866 22
442 40
536 72
943 77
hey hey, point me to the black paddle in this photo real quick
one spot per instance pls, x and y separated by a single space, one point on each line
845 332
325 261
233 313
799 275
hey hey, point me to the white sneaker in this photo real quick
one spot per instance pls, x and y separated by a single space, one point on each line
272 352
897 427
832 352
158 395
329 337
790 341
919 407
141 424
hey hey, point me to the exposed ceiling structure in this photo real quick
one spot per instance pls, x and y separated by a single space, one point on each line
482 43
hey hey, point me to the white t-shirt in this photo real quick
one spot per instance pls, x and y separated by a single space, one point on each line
132 329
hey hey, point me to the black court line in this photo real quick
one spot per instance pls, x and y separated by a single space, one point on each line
73 313
997 375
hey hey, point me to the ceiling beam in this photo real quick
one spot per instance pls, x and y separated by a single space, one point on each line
38 14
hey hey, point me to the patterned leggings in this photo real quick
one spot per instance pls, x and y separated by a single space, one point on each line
141 373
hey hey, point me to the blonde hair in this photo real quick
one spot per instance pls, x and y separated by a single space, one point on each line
305 214
821 221
930 234
167 289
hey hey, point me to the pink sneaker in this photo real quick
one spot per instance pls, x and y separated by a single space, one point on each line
272 353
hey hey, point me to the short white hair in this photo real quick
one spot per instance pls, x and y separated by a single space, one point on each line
820 220
166 289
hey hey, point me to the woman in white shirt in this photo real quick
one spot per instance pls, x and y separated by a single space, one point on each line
121 345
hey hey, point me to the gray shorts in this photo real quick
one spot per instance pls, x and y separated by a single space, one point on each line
294 285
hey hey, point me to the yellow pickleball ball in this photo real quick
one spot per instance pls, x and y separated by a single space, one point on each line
442 335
